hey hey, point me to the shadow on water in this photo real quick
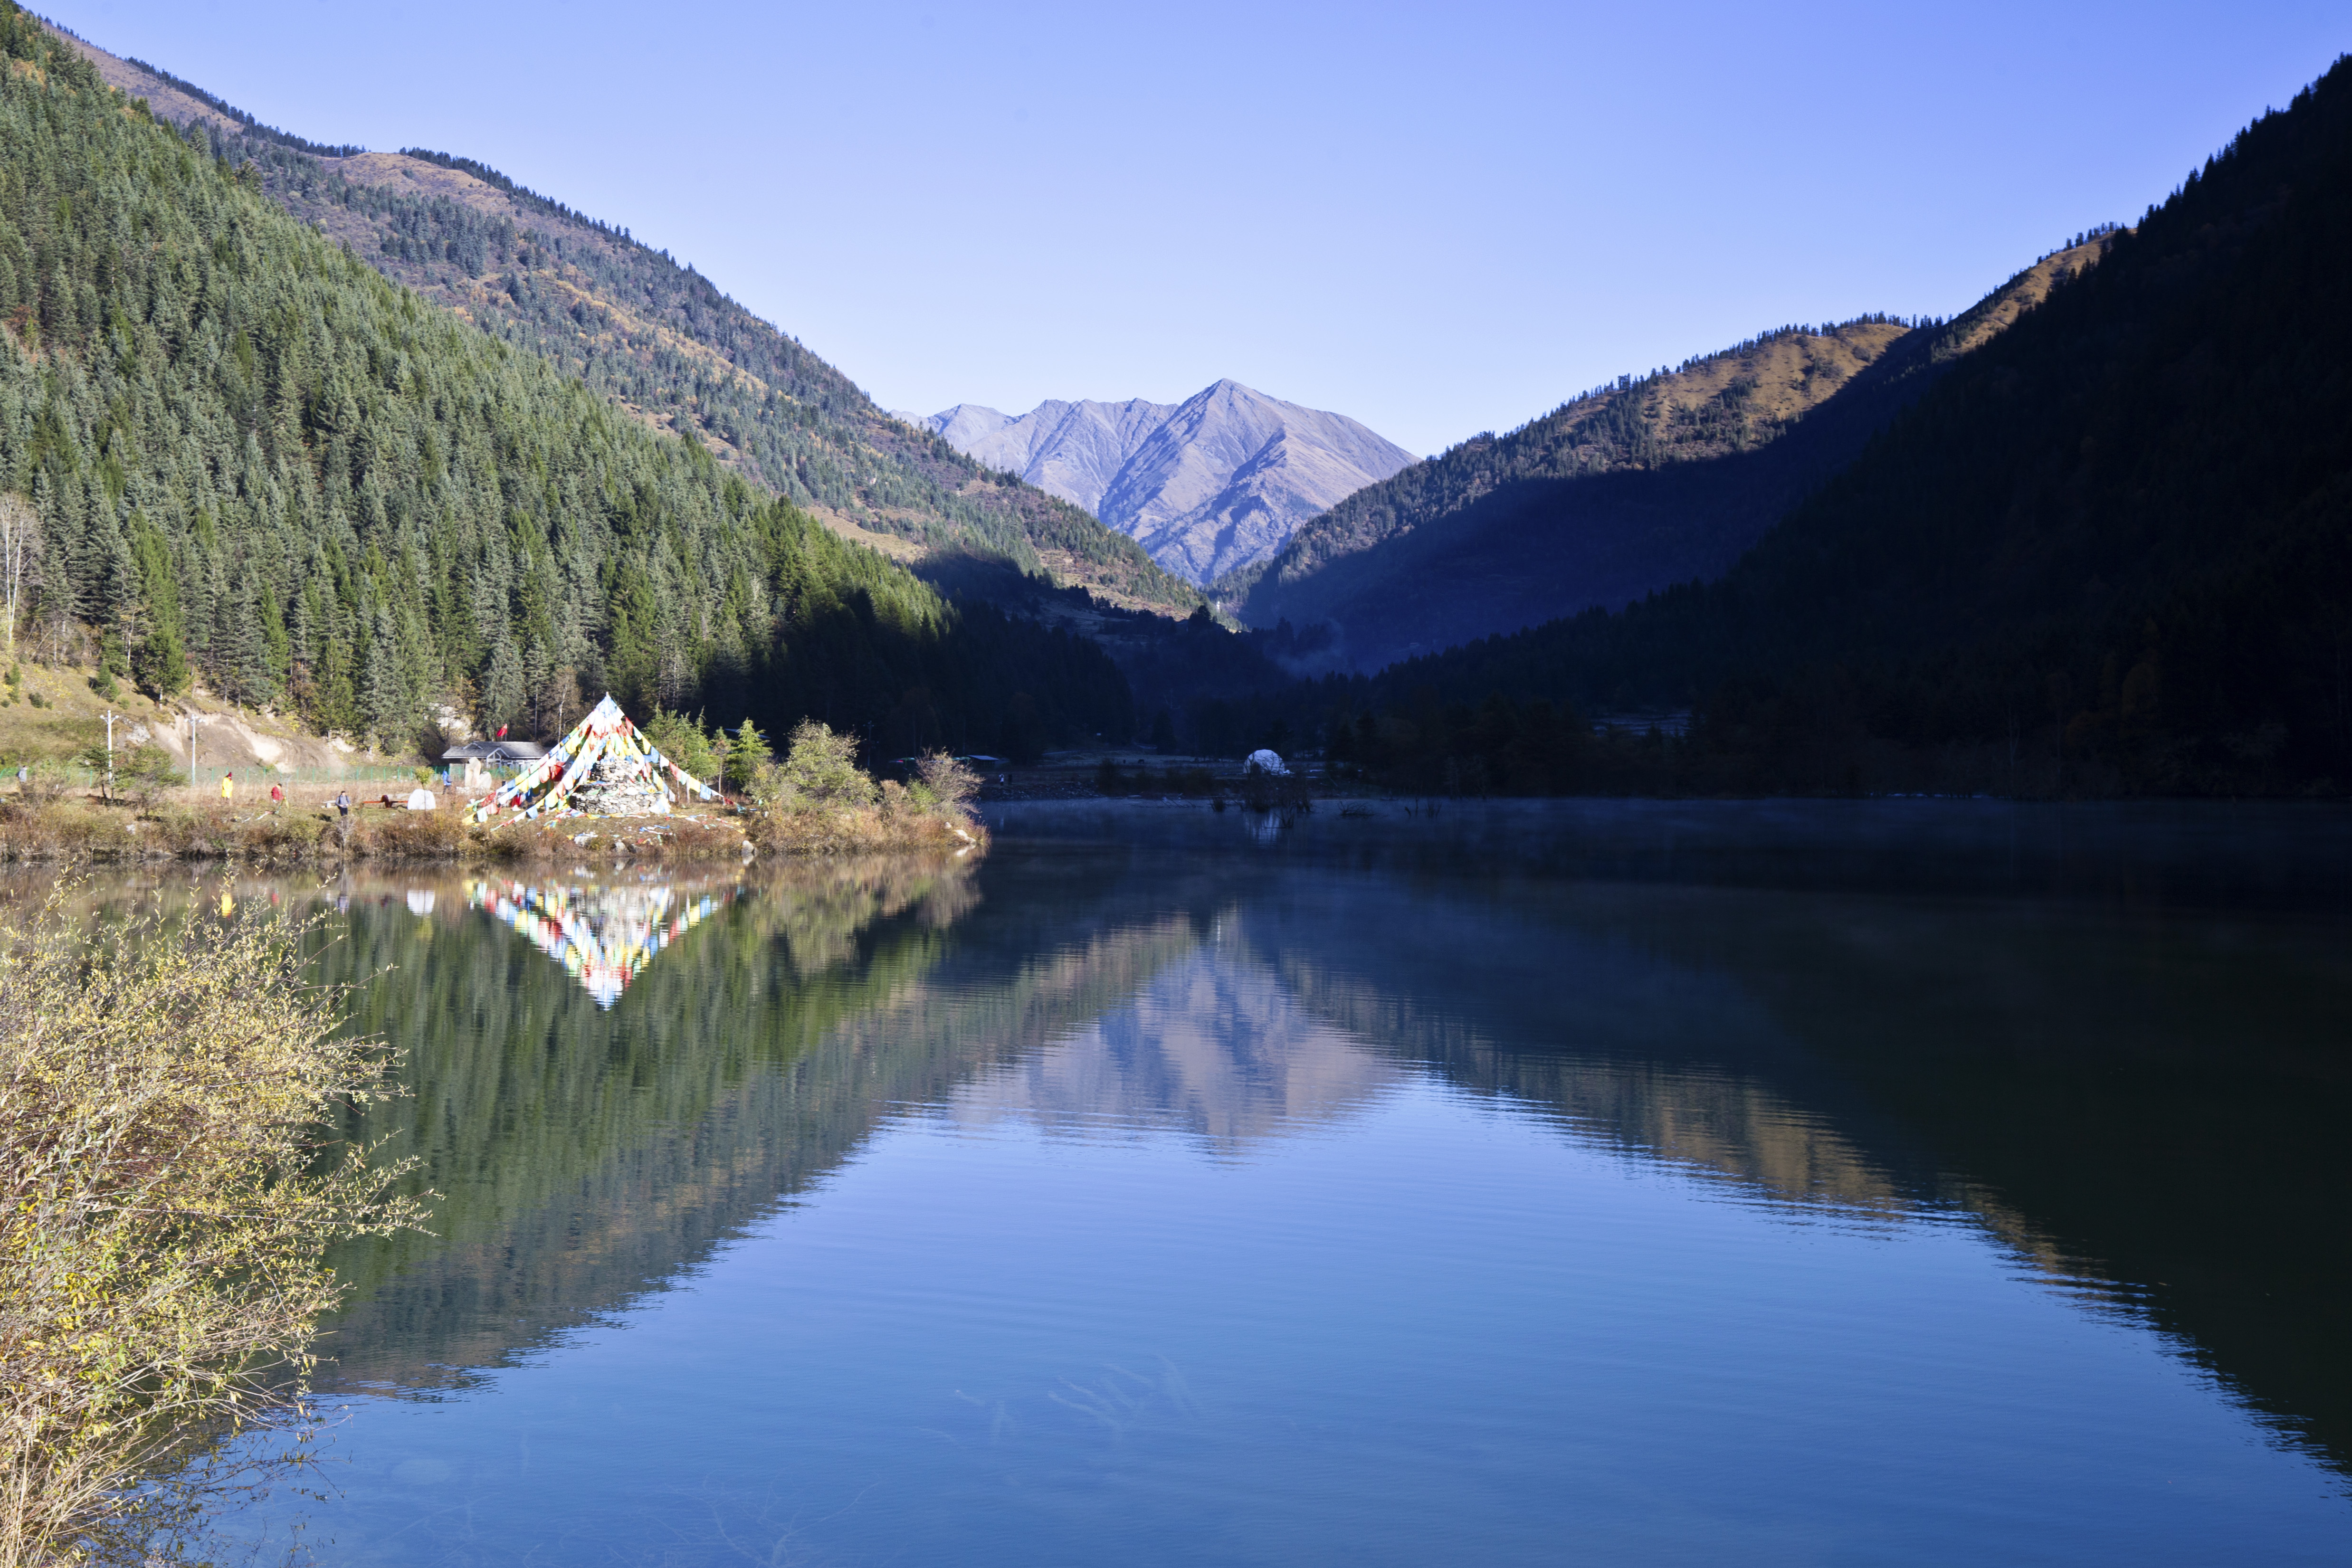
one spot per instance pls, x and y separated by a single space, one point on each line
2114 1040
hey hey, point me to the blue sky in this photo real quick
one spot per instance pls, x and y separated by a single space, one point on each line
1437 219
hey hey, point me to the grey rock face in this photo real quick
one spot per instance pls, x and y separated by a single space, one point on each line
1216 482
1073 450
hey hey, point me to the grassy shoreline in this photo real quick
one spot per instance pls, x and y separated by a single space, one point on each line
69 834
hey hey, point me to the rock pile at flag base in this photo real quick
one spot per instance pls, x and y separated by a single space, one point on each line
610 791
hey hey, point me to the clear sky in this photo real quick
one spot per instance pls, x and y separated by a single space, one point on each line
1438 219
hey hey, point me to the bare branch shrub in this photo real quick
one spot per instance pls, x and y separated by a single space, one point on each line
165 1089
951 785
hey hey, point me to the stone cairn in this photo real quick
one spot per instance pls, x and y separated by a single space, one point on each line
620 787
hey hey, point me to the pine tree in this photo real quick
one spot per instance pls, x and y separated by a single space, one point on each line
747 755
503 686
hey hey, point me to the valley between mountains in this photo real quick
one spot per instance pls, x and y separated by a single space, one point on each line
384 441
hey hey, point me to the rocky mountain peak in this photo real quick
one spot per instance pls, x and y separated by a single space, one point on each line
1217 482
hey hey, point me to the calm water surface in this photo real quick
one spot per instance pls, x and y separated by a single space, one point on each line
1903 1183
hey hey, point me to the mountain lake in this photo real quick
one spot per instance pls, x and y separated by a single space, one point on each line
1872 1182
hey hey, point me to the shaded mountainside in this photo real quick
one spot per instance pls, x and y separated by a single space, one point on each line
1653 480
661 340
259 463
2110 550
1208 486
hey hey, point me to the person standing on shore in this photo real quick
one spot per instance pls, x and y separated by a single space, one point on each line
276 799
228 785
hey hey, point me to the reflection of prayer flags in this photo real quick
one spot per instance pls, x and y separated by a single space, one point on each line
603 936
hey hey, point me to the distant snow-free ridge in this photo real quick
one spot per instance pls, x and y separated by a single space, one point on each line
1216 482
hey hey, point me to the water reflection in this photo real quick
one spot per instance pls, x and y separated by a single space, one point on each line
602 934
1214 1043
588 1147
2134 1094
2044 1072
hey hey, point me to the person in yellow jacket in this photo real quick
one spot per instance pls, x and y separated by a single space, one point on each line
228 786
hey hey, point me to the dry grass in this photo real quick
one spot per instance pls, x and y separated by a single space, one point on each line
67 831
86 832
862 830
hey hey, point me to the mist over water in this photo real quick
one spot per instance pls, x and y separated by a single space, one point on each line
1641 1184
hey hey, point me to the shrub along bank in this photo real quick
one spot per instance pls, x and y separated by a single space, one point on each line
819 801
166 1091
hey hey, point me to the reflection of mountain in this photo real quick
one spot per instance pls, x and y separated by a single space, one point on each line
1213 1044
603 936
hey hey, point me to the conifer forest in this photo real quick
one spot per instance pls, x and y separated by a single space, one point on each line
258 461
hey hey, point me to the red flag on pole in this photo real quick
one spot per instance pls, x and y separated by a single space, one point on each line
502 732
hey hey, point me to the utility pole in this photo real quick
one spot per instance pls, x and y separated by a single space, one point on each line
110 717
190 714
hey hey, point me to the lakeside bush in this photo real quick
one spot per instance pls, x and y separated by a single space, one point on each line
666 838
818 801
166 1091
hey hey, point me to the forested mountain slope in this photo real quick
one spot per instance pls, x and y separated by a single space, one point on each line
258 461
2112 549
661 340
1653 480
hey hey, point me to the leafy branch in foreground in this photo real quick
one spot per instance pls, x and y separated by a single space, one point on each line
167 1095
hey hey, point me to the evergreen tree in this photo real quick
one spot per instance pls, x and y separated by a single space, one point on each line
747 755
503 686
